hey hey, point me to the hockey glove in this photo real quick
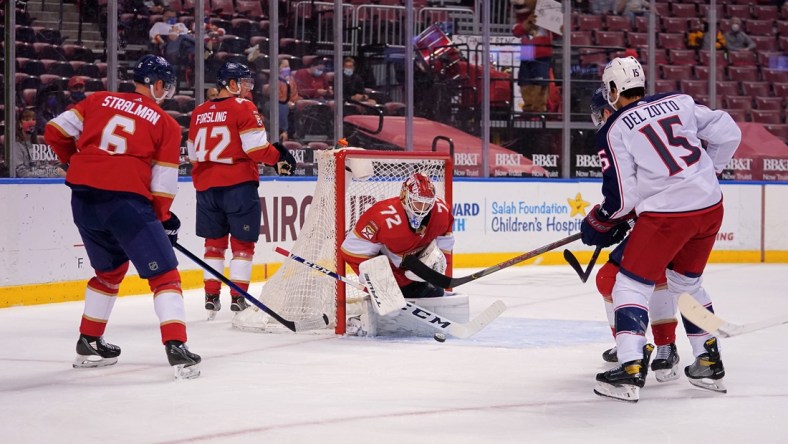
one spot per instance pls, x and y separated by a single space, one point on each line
602 232
171 227
286 164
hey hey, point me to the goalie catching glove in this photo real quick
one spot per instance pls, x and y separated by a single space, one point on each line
286 164
431 256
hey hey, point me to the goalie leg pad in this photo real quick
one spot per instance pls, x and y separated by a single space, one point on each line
455 307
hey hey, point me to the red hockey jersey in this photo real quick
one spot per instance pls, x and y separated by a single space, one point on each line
384 229
120 142
227 139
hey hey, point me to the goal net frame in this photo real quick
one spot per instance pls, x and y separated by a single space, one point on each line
341 166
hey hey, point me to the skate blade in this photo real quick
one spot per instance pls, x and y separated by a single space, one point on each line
184 372
666 375
93 361
714 385
211 314
623 392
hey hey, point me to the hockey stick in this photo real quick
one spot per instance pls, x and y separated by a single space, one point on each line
428 274
455 329
296 326
696 313
575 264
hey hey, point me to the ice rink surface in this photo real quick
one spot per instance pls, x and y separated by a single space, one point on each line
527 378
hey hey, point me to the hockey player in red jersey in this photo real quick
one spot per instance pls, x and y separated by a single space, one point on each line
662 308
653 164
416 222
122 151
227 140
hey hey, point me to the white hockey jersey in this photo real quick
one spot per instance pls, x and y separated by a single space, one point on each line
652 158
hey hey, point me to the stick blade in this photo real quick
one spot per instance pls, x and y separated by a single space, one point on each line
696 313
311 324
476 324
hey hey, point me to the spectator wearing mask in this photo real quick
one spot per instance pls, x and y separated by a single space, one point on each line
737 39
76 89
288 96
352 84
29 160
50 102
312 82
173 37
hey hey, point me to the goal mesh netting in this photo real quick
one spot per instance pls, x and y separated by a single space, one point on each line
349 181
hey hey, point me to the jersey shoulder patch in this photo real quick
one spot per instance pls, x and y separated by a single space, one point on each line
369 230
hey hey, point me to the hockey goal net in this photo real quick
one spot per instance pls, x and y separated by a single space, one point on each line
349 181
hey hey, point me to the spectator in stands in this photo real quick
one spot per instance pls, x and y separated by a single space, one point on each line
631 8
50 103
536 54
173 38
698 36
76 89
352 83
30 161
211 93
737 39
312 82
288 95
601 7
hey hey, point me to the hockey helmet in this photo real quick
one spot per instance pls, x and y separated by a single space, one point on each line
598 106
235 71
418 198
150 69
623 74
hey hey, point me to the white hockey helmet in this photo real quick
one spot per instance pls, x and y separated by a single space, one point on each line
418 198
624 73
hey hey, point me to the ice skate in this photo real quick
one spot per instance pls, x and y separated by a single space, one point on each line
624 382
238 303
212 305
610 355
666 363
707 371
95 352
185 363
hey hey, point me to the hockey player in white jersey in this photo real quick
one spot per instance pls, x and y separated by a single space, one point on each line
653 165
662 308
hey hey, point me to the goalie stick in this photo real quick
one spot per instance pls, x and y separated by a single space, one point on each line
455 329
575 264
699 315
428 274
296 326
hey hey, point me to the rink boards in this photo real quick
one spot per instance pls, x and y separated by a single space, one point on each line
42 259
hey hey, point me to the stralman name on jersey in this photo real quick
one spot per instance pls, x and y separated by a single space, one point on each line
132 107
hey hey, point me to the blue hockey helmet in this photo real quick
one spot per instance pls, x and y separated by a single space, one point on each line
150 68
234 71
598 105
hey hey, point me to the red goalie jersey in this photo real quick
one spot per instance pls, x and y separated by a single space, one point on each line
227 139
120 142
384 229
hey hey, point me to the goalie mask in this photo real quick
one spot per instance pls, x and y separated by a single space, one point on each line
622 73
418 198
